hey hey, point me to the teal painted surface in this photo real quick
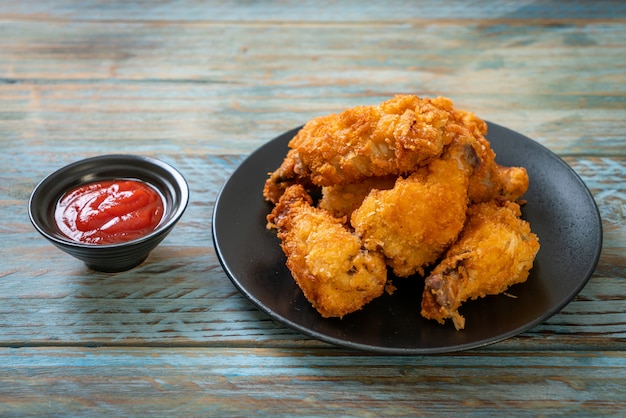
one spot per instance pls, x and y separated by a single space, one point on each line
242 381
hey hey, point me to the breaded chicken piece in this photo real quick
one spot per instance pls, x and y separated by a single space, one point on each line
413 223
490 180
393 138
343 199
495 250
336 274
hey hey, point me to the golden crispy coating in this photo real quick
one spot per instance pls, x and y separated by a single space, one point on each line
513 182
416 220
476 126
336 274
343 199
392 138
496 250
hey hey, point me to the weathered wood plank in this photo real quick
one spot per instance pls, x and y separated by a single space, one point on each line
116 312
236 120
308 10
279 382
231 87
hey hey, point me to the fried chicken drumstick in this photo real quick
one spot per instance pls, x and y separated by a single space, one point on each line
496 250
336 274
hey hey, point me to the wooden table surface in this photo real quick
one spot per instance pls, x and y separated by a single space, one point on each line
201 85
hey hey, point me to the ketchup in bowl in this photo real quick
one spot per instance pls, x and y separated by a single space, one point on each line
109 212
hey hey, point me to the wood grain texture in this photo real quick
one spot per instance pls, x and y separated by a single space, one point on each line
232 87
287 382
201 85
310 10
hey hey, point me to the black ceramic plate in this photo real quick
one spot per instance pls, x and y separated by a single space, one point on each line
561 212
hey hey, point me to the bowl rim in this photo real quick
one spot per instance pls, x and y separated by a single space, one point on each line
179 182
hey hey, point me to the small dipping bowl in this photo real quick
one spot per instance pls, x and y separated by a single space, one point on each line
109 257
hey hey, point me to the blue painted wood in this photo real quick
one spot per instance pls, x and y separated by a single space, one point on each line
314 11
201 85
279 382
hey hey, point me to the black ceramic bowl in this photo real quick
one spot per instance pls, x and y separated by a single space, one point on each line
109 257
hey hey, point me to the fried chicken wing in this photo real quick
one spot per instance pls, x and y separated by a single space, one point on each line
416 220
328 262
495 250
394 137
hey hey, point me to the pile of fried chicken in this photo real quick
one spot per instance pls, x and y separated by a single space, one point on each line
410 185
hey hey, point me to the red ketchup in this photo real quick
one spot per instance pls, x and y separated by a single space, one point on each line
109 212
